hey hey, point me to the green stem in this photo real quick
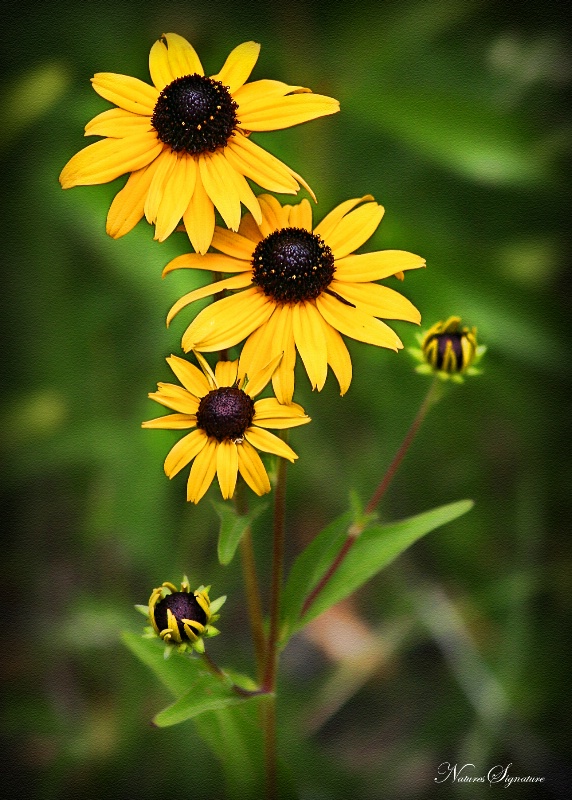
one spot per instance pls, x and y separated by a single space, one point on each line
355 530
219 673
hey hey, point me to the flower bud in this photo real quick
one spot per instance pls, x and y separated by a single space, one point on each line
449 349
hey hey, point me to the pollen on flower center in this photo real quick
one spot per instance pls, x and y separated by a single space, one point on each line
292 265
182 605
195 114
225 413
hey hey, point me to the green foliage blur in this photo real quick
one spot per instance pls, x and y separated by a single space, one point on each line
453 117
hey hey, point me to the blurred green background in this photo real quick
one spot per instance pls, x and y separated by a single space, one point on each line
453 116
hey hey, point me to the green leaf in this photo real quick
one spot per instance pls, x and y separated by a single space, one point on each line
208 693
377 546
232 528
176 673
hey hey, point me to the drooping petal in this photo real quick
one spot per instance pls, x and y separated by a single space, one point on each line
202 471
287 111
233 244
217 178
269 443
128 205
228 321
375 266
354 229
171 422
226 372
159 67
338 358
190 376
106 160
300 215
166 164
215 262
183 59
176 398
183 452
245 193
283 378
227 467
258 165
238 65
199 218
379 301
116 123
357 324
126 92
310 340
236 282
252 469
177 193
330 221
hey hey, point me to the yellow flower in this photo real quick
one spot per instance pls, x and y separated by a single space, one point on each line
229 426
185 141
302 288
181 617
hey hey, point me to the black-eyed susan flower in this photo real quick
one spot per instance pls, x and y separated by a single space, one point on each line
185 141
301 288
182 618
449 349
230 427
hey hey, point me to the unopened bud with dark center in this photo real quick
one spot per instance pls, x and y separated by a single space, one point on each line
449 349
181 617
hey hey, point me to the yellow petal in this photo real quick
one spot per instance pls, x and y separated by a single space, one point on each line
128 205
227 467
236 282
249 228
126 92
174 422
311 342
177 192
338 358
300 215
269 443
330 221
184 451
238 66
226 372
269 413
233 244
206 368
273 216
245 193
118 123
190 376
257 350
355 323
283 378
176 398
217 178
258 165
287 111
258 94
215 262
166 163
202 471
252 469
106 160
182 56
379 301
228 321
258 381
159 67
199 218
375 266
354 229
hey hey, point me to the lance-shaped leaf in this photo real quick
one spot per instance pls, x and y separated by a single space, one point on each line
232 528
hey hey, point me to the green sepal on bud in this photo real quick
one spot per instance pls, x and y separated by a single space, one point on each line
182 618
449 350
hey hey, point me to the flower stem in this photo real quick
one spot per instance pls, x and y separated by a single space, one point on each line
356 528
219 673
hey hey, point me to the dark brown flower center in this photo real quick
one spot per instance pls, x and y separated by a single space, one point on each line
443 339
195 114
184 606
225 413
292 265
